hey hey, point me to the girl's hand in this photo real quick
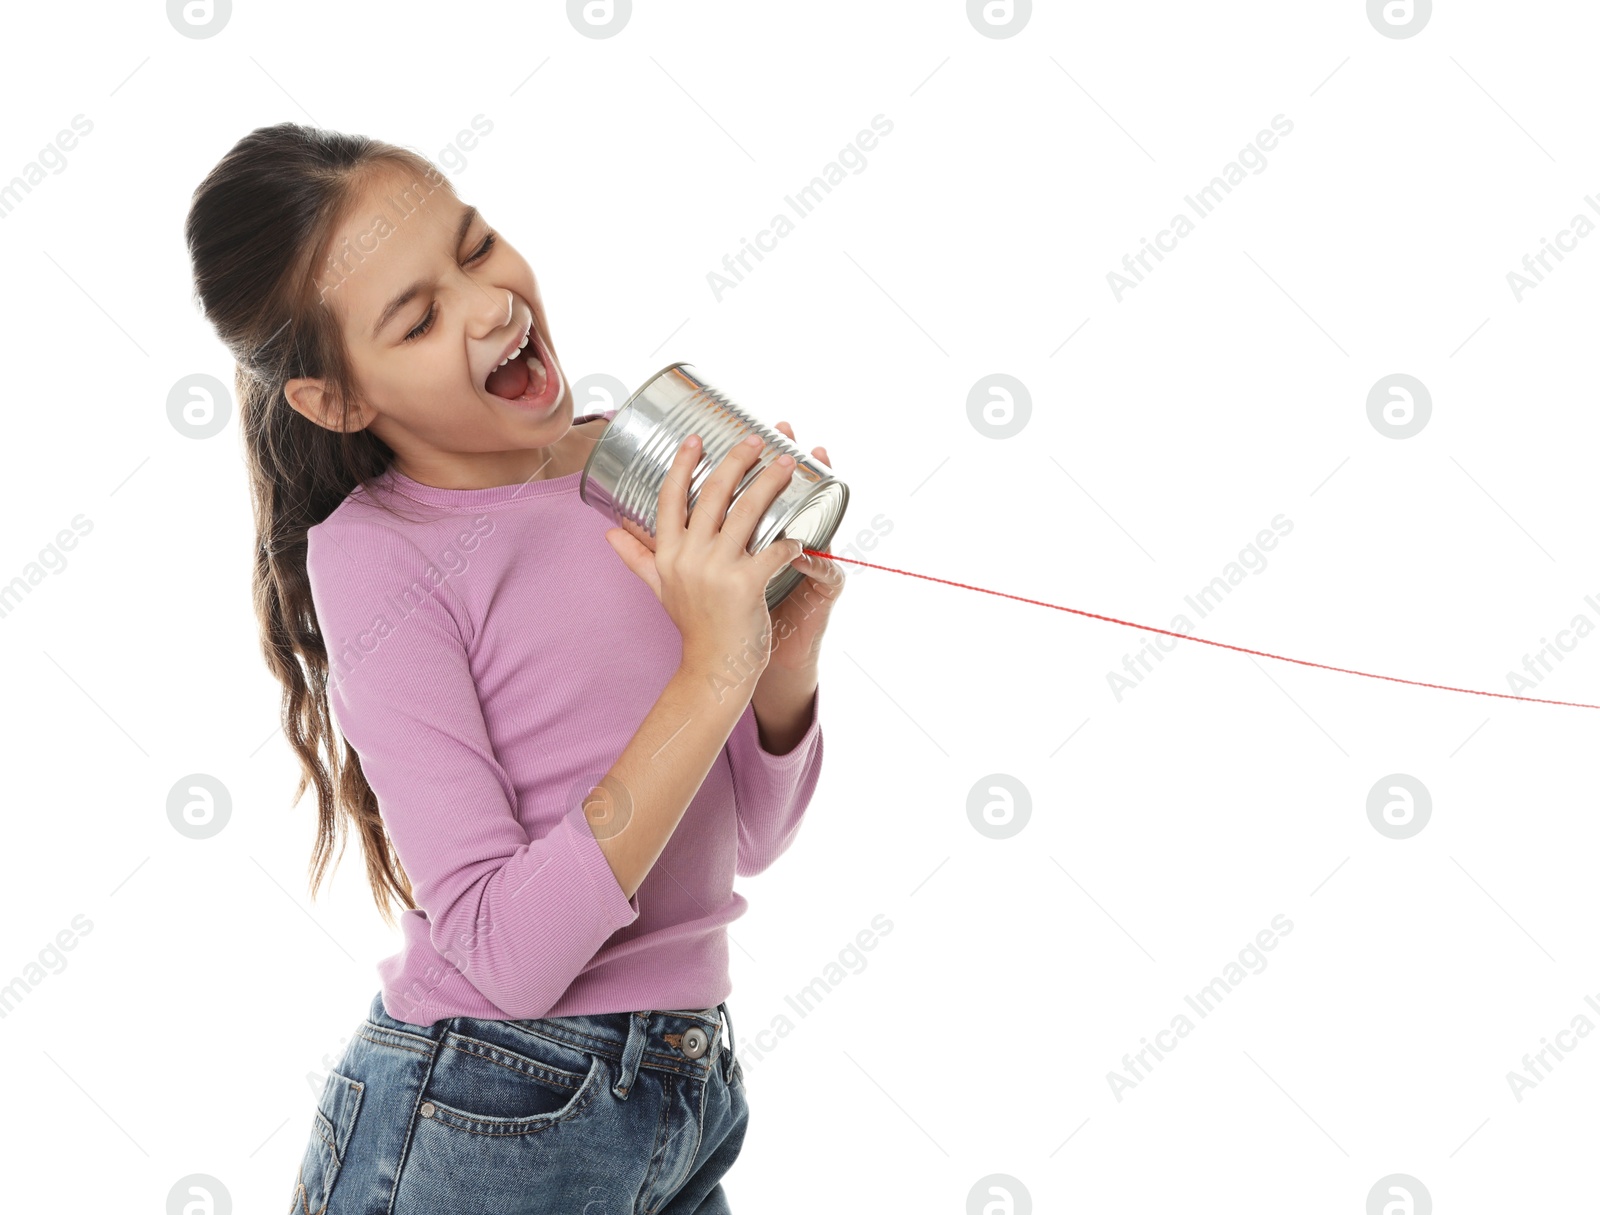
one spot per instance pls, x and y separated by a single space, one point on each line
714 591
799 621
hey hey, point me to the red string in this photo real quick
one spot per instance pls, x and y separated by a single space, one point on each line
1187 637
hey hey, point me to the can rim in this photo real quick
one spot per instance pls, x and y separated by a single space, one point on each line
583 478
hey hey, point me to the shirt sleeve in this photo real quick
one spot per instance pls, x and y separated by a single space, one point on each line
771 792
518 914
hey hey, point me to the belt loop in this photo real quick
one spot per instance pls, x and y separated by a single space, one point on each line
632 1052
727 1071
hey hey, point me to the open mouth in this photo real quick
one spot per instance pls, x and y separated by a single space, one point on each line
524 376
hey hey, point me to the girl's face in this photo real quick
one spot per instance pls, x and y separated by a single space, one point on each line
430 300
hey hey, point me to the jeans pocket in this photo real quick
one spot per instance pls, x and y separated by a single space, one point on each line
489 1088
331 1124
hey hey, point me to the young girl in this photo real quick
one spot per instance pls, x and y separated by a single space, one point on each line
556 760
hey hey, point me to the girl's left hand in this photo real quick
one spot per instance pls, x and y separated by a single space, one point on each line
799 621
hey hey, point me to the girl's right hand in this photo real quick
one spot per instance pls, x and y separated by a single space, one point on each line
714 591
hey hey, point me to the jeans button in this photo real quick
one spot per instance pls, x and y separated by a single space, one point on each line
695 1042
427 1109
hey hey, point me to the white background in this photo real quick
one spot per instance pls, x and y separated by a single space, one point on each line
1228 388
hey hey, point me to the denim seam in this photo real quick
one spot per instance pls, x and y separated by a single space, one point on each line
556 1034
699 1125
411 1131
415 1050
658 1060
658 1148
300 1200
460 1120
534 1067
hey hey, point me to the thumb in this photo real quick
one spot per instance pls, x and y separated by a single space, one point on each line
780 553
635 556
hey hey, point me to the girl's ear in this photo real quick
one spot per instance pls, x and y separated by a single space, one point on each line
310 399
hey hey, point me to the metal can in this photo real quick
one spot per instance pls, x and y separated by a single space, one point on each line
623 475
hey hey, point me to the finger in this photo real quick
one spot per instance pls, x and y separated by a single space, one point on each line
788 433
672 500
822 568
711 503
822 454
779 554
635 556
753 502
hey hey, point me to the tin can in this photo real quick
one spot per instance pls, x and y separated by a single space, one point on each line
623 475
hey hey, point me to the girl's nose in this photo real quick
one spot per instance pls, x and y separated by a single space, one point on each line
497 314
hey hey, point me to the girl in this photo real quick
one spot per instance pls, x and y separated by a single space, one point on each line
556 760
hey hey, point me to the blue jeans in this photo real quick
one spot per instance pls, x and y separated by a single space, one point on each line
608 1114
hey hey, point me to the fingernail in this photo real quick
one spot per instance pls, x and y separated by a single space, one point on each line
785 461
753 440
692 441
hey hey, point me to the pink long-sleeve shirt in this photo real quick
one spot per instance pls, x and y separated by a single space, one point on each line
490 657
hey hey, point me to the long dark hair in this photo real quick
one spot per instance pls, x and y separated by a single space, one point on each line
258 228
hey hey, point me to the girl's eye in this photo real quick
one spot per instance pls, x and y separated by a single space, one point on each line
426 323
